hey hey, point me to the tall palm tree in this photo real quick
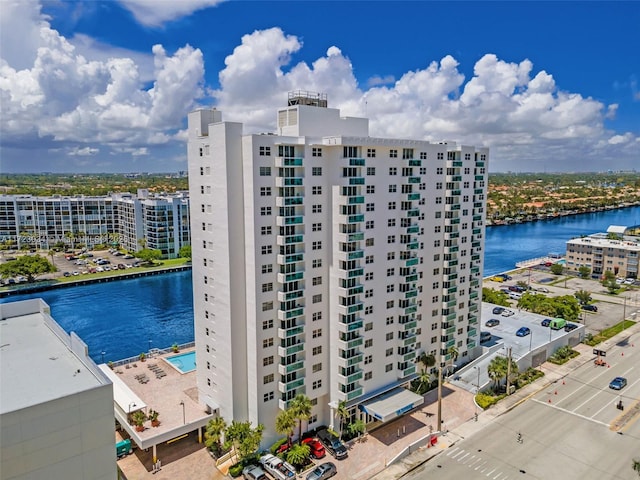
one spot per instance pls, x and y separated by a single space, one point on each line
286 423
301 410
427 360
214 432
342 413
453 352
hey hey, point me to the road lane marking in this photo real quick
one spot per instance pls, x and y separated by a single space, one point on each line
491 472
605 406
570 412
464 456
581 387
452 450
589 399
461 451
481 465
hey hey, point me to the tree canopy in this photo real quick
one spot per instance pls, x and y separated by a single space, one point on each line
185 251
496 297
565 306
148 255
29 266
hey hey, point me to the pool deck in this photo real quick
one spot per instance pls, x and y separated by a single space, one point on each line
171 360
174 395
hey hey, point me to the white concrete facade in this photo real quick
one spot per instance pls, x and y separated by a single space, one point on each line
56 406
326 261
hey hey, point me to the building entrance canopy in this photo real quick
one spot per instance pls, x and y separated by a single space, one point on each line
392 404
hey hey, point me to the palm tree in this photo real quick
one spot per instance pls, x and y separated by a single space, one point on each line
583 296
297 455
343 414
301 410
427 360
286 423
453 352
497 370
214 432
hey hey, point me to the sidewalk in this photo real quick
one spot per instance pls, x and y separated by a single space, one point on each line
465 428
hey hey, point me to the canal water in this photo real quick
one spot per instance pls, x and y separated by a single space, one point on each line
127 317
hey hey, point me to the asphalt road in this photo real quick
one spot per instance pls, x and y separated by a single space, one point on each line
571 430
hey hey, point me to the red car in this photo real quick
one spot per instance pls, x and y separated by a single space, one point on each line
316 449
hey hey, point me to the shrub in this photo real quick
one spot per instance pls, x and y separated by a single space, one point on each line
563 355
274 448
528 376
236 470
485 400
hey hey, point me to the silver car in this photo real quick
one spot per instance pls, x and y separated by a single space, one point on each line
324 470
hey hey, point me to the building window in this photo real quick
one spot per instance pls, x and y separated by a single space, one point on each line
388 367
265 230
370 207
317 281
393 171
371 153
368 259
265 171
266 306
317 263
388 352
267 324
368 343
317 245
393 153
317 350
316 208
267 378
368 293
391 222
369 224
390 304
267 342
265 191
267 396
316 227
371 171
317 298
392 205
368 276
267 268
267 287
267 361
316 190
316 152
316 316
265 211
368 326
389 336
371 189
369 242
391 239
266 249
390 288
368 376
317 367
317 384
265 151
316 171
317 333
393 188
368 359
391 255
389 320
423 155
368 310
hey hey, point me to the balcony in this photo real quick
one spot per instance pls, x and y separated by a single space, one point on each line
411 262
348 309
285 369
288 162
355 200
346 380
409 325
293 258
289 201
410 310
449 330
413 179
291 350
347 397
282 240
351 360
356 162
413 245
411 294
349 327
286 296
414 162
413 213
286 221
355 218
356 181
413 229
413 196
290 332
408 357
357 272
473 320
289 277
289 314
292 385
408 371
289 182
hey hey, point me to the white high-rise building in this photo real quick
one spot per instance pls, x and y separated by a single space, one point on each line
325 261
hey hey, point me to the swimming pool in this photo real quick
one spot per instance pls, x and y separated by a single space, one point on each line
184 363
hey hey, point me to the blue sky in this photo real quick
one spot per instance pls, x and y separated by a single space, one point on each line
105 86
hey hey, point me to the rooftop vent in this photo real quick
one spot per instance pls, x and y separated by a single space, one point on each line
302 97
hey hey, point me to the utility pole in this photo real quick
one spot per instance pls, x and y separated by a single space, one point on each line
508 368
439 416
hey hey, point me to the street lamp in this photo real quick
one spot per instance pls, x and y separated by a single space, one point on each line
477 390
184 420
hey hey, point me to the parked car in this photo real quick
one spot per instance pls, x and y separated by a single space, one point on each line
590 308
570 326
546 322
316 449
322 471
128 256
618 383
253 472
498 310
497 278
493 322
278 469
542 290
485 337
523 332
516 288
67 274
557 323
121 266
333 444
515 295
508 313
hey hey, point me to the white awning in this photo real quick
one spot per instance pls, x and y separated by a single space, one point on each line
619 229
392 404
123 396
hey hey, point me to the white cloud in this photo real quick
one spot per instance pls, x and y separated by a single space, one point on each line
69 98
378 80
83 152
154 13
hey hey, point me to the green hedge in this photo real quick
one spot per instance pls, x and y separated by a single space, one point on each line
236 470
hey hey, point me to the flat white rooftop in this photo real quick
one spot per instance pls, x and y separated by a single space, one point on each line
39 361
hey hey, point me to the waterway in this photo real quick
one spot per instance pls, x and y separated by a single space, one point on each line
127 317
